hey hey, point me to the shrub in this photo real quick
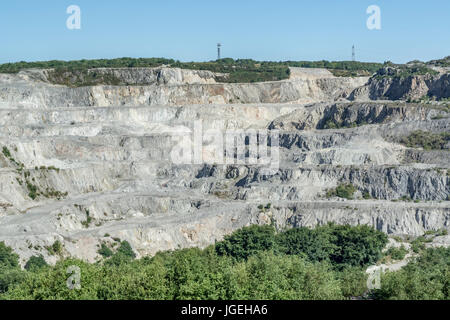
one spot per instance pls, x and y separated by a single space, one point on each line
105 251
35 262
126 250
418 244
88 220
247 241
397 253
32 190
345 191
342 191
427 278
366 195
312 244
124 255
9 278
10 273
355 246
353 281
267 276
426 140
8 259
55 249
6 152
186 274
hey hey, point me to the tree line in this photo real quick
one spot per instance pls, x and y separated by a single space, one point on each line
255 262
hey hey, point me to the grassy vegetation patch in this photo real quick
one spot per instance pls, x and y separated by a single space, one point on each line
340 68
403 71
426 140
35 263
366 195
78 73
76 77
55 249
6 152
345 191
9 156
397 253
105 251
86 223
34 191
334 124
425 278
444 62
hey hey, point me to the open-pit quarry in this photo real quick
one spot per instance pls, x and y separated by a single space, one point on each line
87 165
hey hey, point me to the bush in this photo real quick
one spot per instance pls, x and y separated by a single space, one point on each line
355 246
341 245
427 278
8 259
313 244
267 276
418 244
426 140
197 274
366 195
353 281
32 190
247 241
10 277
35 263
10 273
397 253
345 191
105 251
88 220
124 255
6 152
56 248
126 250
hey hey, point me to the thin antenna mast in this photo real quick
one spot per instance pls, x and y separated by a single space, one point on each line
218 51
353 53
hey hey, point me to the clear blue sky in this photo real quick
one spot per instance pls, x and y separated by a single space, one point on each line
259 29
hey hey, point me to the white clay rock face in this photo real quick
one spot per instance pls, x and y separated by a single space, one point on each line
88 164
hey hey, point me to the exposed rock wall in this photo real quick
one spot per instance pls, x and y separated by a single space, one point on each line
407 88
86 165
169 87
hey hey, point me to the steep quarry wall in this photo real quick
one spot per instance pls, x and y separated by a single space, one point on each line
169 87
404 88
87 165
